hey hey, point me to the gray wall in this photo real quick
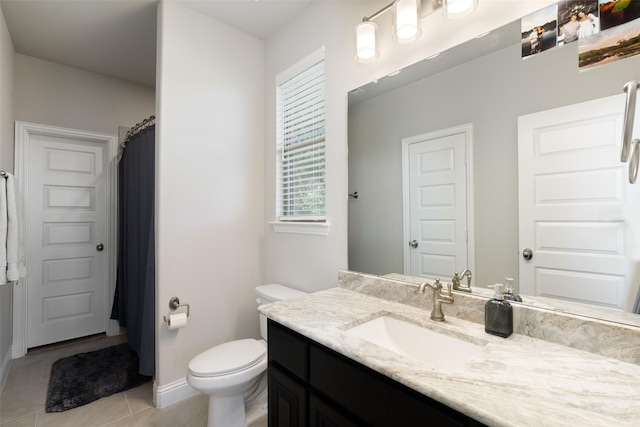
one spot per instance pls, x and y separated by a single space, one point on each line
58 95
6 97
490 92
6 164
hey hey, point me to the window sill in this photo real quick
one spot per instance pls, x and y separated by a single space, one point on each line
315 228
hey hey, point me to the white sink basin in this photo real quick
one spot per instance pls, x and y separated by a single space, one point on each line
438 351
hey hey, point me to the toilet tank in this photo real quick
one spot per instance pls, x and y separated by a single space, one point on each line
272 293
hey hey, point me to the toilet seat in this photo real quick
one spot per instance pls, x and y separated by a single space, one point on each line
227 358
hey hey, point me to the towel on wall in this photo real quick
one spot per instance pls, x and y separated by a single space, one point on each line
12 232
3 231
12 252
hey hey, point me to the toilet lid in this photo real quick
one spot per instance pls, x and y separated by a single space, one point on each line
227 358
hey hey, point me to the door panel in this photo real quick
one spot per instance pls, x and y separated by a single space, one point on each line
578 212
64 233
69 198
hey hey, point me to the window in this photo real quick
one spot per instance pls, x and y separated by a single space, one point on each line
301 141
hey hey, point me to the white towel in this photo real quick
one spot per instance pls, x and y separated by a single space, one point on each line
3 231
13 273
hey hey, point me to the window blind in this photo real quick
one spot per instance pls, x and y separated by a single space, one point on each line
301 144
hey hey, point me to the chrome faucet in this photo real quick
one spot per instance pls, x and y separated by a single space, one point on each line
456 281
438 298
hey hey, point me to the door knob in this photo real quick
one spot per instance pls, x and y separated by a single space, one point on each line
413 244
99 247
527 254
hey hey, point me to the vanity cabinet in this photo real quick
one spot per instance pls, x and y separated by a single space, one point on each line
312 385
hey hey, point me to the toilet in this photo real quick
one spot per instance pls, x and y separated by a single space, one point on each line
228 373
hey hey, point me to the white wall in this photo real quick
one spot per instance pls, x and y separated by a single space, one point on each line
310 262
209 192
6 164
58 95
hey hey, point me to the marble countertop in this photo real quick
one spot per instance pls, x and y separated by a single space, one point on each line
518 381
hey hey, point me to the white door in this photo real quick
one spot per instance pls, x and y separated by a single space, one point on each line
67 236
436 196
578 213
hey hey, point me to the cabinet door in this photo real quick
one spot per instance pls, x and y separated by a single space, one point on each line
323 415
289 350
287 400
375 399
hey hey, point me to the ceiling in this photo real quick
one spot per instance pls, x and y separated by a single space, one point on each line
117 38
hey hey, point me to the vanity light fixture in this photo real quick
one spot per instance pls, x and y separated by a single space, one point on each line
406 23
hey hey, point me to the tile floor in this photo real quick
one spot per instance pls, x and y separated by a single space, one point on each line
23 397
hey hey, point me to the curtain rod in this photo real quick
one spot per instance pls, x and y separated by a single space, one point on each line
137 128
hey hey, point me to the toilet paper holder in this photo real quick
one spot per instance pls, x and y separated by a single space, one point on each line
174 303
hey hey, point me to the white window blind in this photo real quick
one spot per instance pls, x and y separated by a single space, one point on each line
301 141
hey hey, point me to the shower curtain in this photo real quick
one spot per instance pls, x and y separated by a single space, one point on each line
134 301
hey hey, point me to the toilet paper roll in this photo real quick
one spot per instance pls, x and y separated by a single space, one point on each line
177 321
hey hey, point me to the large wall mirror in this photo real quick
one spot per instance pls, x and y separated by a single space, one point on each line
485 84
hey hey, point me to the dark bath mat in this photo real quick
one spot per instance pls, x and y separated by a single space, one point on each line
82 378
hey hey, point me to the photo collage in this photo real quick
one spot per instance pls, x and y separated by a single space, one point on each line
604 30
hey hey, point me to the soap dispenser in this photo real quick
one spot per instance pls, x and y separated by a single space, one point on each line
498 314
509 295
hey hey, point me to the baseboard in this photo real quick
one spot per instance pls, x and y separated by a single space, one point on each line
5 366
171 393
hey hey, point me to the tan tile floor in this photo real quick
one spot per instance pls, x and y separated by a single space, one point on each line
23 397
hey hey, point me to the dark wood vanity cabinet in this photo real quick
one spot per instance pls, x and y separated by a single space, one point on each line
312 385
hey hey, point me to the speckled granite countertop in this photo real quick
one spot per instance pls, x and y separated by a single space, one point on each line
518 381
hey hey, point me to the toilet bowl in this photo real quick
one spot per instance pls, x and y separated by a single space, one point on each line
227 373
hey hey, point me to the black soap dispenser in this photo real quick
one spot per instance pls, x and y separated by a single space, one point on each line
498 314
509 295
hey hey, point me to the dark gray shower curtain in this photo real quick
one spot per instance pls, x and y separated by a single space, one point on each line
134 302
